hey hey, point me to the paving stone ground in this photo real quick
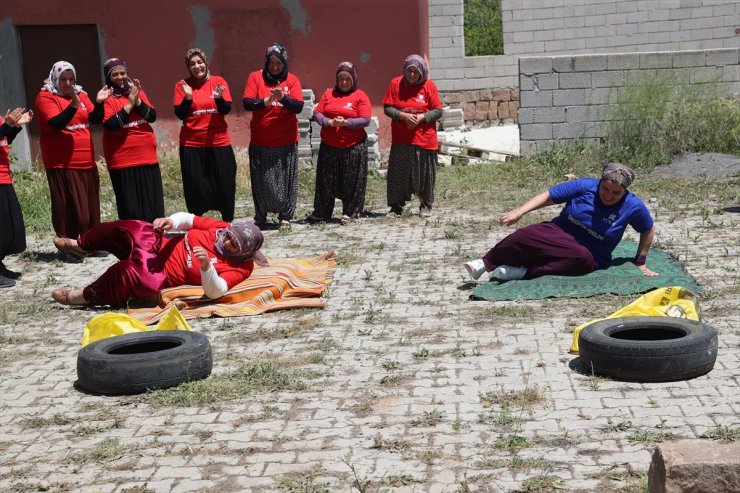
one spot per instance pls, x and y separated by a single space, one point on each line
402 372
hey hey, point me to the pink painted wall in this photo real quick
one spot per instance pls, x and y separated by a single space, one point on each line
375 35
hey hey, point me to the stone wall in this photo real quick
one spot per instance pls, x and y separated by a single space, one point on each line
485 105
568 97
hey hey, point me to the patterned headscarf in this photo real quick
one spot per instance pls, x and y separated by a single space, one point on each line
418 62
618 173
190 54
112 65
277 50
244 234
349 69
52 83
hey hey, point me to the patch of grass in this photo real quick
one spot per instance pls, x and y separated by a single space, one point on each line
521 399
251 379
302 483
723 434
104 452
542 484
655 118
428 456
57 419
6 340
649 437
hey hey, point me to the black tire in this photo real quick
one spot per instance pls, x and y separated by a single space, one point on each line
135 363
648 349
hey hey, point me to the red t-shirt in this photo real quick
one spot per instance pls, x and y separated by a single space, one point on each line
204 126
273 126
132 145
181 266
413 99
5 176
71 147
353 105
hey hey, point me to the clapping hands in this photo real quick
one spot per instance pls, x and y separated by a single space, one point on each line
18 117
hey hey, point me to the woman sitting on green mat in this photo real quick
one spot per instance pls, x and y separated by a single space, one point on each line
581 239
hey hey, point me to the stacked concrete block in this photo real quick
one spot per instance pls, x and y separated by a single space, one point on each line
304 129
567 98
373 148
453 118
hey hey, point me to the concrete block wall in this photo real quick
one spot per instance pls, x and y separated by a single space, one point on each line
568 97
569 27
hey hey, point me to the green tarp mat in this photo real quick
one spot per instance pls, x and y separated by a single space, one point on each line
623 277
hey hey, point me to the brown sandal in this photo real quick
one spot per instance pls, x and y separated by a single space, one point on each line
65 245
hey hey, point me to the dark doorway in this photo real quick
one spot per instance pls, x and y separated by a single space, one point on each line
42 46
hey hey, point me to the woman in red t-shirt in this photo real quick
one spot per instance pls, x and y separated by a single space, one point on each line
12 228
212 253
341 172
412 102
206 157
274 96
63 109
129 144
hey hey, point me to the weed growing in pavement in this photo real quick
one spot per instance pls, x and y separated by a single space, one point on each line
723 434
391 365
429 418
348 257
390 444
398 480
541 484
615 427
251 379
511 442
326 345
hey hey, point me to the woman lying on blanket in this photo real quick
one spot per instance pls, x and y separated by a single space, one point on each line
581 239
212 253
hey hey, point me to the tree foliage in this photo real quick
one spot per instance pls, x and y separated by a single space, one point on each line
483 28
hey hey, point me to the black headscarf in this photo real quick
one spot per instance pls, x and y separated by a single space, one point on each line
277 50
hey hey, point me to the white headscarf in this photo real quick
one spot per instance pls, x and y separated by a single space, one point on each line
52 83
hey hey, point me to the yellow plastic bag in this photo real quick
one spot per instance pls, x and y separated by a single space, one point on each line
670 302
116 324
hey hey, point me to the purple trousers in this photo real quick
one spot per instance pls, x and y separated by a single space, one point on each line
544 249
139 271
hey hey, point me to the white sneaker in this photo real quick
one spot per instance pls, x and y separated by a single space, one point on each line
475 268
509 273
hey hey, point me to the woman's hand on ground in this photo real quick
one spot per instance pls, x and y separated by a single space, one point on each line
511 217
163 223
201 254
260 259
648 272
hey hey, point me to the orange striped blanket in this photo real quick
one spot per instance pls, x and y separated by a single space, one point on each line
286 283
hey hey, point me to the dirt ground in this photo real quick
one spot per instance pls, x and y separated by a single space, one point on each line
400 384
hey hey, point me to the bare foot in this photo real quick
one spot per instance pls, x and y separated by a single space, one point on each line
67 296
